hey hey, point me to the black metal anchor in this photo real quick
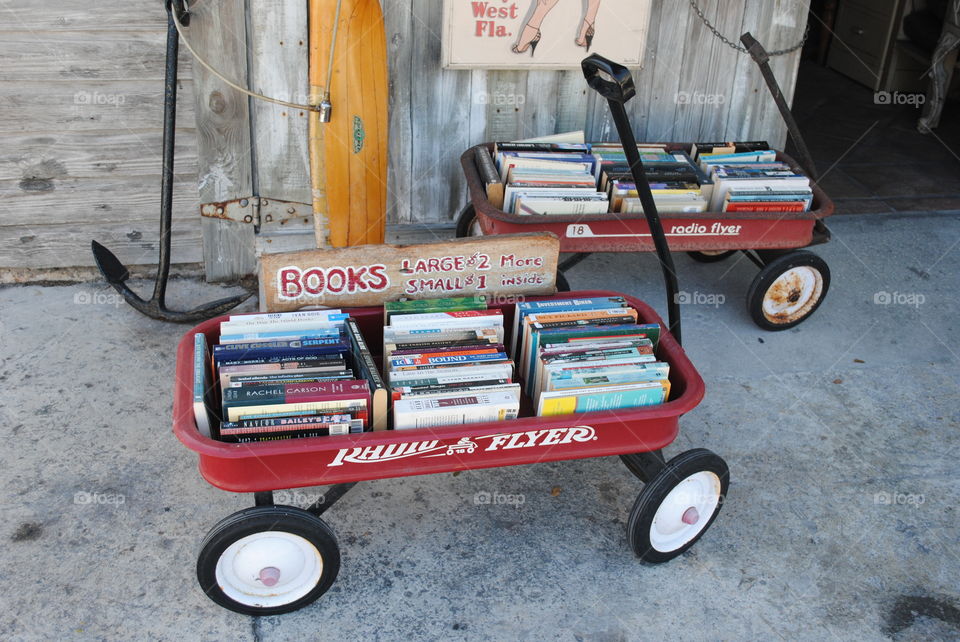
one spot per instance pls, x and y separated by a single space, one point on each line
110 266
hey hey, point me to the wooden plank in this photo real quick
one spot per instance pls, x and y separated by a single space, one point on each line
571 100
369 275
639 107
504 117
403 234
747 89
278 68
399 25
718 81
68 245
104 156
48 197
83 55
218 32
540 102
82 15
791 19
70 108
666 68
697 45
441 106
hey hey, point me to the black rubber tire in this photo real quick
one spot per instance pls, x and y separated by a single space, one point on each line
770 273
562 284
700 257
465 221
257 520
657 489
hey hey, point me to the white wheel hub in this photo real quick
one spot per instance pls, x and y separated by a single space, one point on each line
272 568
793 294
475 229
685 511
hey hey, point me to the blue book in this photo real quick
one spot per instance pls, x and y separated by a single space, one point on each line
568 402
201 382
298 348
281 335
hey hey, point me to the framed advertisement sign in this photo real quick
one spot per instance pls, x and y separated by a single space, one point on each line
544 34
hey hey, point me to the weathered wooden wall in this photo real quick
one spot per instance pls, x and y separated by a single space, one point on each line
80 132
81 106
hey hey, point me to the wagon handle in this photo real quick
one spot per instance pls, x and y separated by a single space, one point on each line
614 82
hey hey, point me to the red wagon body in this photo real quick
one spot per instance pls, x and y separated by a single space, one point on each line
704 231
398 453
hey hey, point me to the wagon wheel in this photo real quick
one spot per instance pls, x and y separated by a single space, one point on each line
788 290
268 560
467 224
711 256
677 506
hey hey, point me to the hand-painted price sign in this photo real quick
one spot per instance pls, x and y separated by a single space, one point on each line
504 265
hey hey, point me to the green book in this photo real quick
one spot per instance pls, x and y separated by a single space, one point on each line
418 306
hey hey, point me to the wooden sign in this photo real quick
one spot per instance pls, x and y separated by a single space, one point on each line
368 275
546 34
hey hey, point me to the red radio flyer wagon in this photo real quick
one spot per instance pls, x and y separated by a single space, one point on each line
271 559
791 284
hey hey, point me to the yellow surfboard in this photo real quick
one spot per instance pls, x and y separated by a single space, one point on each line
348 155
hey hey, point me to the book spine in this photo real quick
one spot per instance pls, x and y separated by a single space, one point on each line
289 422
247 439
764 207
236 413
295 393
307 315
341 428
426 345
413 360
367 368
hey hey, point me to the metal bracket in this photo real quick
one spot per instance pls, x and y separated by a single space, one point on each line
258 211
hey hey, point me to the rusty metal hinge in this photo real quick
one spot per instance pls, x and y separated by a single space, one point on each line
258 211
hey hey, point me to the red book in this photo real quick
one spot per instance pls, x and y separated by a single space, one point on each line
287 393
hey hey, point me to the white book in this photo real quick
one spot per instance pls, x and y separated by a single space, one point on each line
576 137
279 316
470 408
546 207
512 388
492 371
722 185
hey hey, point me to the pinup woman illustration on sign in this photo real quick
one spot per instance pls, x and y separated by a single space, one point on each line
530 34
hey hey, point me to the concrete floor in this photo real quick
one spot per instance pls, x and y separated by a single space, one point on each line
841 436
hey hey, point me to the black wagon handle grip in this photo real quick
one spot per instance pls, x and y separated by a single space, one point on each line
611 80
614 82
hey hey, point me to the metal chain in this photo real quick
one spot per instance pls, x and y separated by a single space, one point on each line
741 49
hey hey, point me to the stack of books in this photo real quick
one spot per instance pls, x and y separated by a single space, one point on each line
584 355
287 375
549 178
446 363
747 177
